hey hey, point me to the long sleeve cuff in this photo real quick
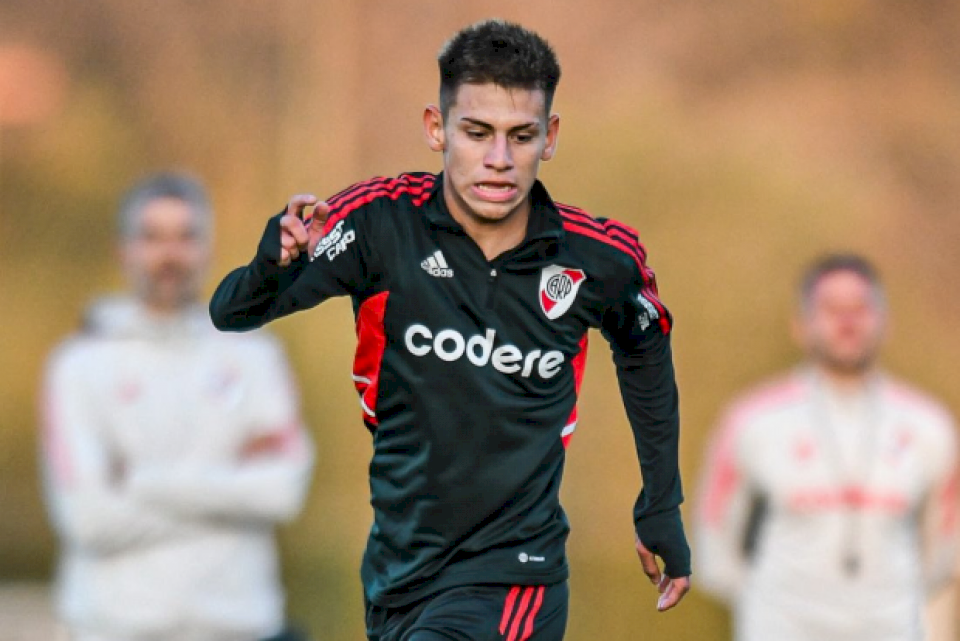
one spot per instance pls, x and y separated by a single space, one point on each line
663 534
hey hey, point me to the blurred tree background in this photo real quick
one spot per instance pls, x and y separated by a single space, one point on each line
741 138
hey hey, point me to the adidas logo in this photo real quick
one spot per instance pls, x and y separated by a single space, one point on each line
436 266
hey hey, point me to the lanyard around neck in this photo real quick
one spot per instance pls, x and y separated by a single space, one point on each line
853 475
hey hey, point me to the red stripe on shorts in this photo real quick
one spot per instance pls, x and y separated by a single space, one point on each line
521 611
528 628
508 608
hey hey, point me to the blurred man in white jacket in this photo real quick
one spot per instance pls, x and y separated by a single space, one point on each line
171 450
828 510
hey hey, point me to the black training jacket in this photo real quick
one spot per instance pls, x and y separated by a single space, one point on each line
468 372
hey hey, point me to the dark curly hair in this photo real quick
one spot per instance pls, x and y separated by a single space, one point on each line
499 52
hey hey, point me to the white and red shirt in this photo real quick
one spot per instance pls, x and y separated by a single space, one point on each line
828 516
170 453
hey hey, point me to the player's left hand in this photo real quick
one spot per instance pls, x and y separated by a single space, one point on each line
671 589
301 227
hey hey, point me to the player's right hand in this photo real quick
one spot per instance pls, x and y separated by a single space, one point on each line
301 227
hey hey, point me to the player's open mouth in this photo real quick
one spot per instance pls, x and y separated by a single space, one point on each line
495 191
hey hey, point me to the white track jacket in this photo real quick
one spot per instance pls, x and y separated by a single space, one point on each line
170 451
829 518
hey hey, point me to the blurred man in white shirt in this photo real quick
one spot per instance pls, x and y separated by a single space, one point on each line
171 451
828 511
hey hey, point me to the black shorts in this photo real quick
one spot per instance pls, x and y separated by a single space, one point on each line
476 613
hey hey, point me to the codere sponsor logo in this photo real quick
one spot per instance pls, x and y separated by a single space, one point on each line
450 345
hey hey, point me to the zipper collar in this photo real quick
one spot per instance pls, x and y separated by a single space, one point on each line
540 246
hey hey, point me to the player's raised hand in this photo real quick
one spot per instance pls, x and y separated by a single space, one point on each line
671 589
301 227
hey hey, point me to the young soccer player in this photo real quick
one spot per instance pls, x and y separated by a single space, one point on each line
474 292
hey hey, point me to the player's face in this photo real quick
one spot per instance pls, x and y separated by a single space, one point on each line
842 323
166 255
492 140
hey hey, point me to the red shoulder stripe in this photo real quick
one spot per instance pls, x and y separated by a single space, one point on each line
571 209
615 237
393 189
578 215
358 190
626 243
590 232
629 236
624 234
627 233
